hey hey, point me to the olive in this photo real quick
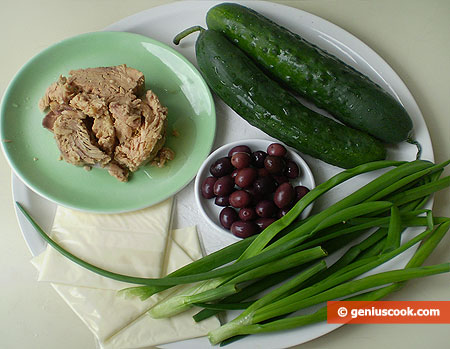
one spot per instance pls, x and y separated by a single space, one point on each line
262 172
241 160
239 149
274 164
276 149
266 208
256 195
208 187
280 179
247 214
245 177
240 198
227 217
244 229
263 223
282 212
258 158
284 195
264 185
222 200
234 173
221 167
300 191
223 186
292 170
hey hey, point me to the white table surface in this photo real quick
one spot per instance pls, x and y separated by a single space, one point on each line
411 35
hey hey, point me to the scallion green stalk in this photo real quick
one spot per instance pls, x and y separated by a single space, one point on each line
220 288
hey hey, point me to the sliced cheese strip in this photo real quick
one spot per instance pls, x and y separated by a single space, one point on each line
188 240
182 241
129 243
147 332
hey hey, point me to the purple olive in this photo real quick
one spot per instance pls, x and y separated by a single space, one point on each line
284 195
300 191
240 199
264 185
221 167
282 212
247 214
245 177
262 172
222 200
266 208
223 186
258 158
239 149
244 229
263 223
227 217
280 179
274 164
292 170
256 196
276 149
208 187
241 160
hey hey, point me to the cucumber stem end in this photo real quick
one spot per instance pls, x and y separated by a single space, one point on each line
186 32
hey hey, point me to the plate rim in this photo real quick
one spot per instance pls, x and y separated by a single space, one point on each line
63 202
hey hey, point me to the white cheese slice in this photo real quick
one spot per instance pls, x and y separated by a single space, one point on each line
137 243
131 243
118 323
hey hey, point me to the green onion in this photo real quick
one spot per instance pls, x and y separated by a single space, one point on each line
178 303
231 329
348 272
394 231
321 315
220 288
223 306
356 197
263 284
421 191
406 180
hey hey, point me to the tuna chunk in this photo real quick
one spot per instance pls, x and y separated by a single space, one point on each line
126 112
144 144
119 172
75 142
108 82
60 92
98 118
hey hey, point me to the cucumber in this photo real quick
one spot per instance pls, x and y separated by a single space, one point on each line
265 104
329 83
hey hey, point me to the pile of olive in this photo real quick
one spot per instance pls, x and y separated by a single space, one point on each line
253 187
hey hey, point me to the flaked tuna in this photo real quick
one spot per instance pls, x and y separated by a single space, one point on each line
102 116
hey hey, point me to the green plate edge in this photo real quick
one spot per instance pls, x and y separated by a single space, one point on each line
33 154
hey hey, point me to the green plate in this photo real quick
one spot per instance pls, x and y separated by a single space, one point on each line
32 151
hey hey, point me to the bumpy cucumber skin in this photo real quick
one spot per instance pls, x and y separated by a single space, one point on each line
263 103
313 73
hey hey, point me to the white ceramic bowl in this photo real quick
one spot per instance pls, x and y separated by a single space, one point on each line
210 211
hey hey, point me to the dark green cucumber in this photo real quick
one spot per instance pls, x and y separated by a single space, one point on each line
263 103
313 73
